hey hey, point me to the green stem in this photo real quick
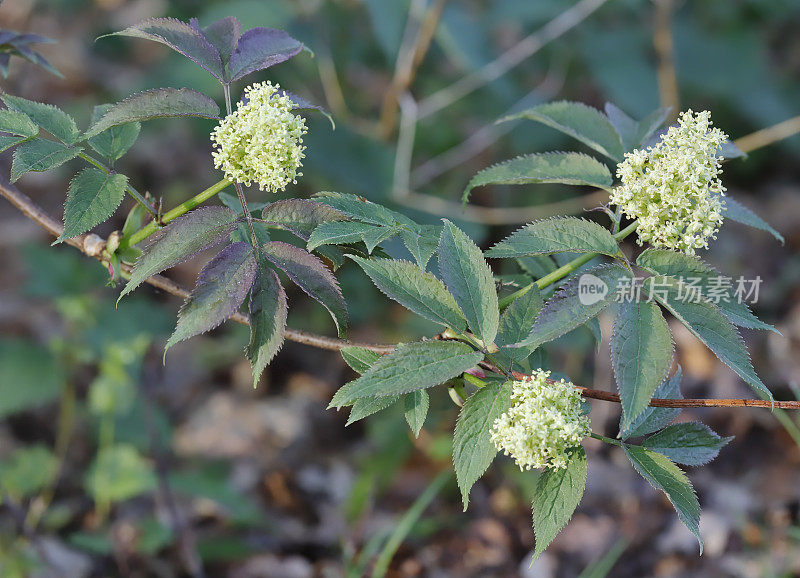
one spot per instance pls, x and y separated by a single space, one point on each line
181 209
476 381
611 441
562 271
130 190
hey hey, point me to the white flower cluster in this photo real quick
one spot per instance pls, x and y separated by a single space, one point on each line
673 188
544 422
261 141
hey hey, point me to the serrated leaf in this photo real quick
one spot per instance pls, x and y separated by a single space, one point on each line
626 127
156 103
378 235
473 450
301 103
114 142
655 418
260 48
93 196
735 211
537 266
360 209
415 405
693 269
338 233
584 123
573 305
268 311
51 118
558 493
187 235
300 216
221 288
641 354
312 276
17 123
556 235
358 358
664 475
40 155
554 167
421 242
651 123
182 38
367 406
688 443
410 367
706 322
6 142
223 35
417 291
470 281
516 323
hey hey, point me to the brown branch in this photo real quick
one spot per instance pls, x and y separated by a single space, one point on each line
93 246
665 53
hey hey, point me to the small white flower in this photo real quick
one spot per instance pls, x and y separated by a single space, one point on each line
261 141
544 422
673 188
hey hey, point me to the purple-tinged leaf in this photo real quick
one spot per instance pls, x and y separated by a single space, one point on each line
268 310
301 103
156 103
300 216
181 37
312 276
221 288
185 236
223 35
260 48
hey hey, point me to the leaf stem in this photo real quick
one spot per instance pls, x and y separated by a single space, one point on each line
181 209
562 271
130 190
611 441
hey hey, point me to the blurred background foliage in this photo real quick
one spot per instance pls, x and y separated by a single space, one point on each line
114 464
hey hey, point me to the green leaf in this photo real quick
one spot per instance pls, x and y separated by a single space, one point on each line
584 123
114 142
651 123
182 38
553 167
515 325
558 493
360 209
93 196
537 266
470 281
421 242
709 325
28 470
688 443
410 367
300 216
118 473
268 311
156 103
187 235
312 276
415 290
378 235
641 354
573 305
416 406
40 155
222 286
707 279
735 211
664 475
51 118
6 142
655 418
556 235
17 123
634 133
358 358
366 406
473 450
338 233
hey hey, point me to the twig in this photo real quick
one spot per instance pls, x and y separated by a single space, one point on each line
665 54
528 46
769 135
93 246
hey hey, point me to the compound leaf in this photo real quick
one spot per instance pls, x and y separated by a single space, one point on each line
268 311
93 196
556 235
260 48
688 443
40 155
51 118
